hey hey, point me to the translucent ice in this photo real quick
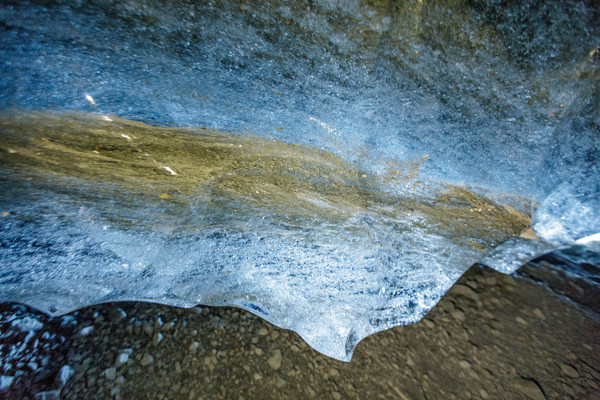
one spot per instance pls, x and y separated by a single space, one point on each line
356 157
292 233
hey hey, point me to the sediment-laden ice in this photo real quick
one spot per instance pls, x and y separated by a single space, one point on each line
356 157
102 211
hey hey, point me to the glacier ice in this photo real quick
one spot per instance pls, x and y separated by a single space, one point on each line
332 166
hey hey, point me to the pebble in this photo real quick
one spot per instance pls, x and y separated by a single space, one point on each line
167 327
117 314
146 360
429 323
472 284
263 331
110 373
464 364
86 331
275 361
157 338
538 313
530 389
458 315
66 372
48 395
569 370
280 382
122 358
462 290
568 390
148 328
508 280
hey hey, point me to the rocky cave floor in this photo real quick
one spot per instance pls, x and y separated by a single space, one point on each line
492 336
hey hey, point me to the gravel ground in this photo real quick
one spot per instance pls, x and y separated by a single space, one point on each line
491 337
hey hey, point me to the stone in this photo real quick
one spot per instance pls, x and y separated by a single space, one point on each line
48 395
157 338
464 364
569 370
472 284
167 327
146 360
86 331
462 290
110 373
428 323
508 280
275 360
458 315
66 372
122 358
148 328
538 313
530 388
399 393
116 314
263 331
334 373
194 346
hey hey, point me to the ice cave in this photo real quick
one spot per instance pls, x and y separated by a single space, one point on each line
332 166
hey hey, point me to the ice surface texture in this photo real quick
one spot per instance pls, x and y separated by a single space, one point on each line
391 121
114 210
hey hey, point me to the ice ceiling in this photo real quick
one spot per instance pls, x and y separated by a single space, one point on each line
332 166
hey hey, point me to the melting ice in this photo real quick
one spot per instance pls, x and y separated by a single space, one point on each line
355 159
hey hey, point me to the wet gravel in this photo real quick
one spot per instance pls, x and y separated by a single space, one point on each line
491 337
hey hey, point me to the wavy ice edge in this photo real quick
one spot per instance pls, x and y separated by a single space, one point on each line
98 209
503 97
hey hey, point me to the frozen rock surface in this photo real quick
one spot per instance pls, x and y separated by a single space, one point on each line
373 152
